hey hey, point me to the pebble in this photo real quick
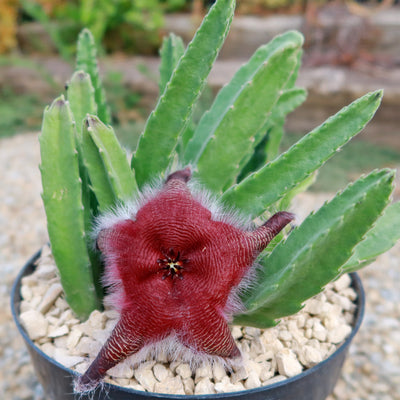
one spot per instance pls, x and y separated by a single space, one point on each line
267 372
48 348
204 371
288 365
342 283
35 324
170 385
253 380
204 386
338 334
370 372
62 356
310 356
239 375
237 332
58 332
73 338
184 371
188 385
122 370
144 375
226 386
275 379
219 372
319 332
52 293
161 373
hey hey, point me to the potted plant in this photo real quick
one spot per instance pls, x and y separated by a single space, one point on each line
174 234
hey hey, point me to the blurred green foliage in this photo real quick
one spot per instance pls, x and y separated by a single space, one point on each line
19 113
23 112
131 26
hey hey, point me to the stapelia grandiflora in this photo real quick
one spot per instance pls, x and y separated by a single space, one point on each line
176 268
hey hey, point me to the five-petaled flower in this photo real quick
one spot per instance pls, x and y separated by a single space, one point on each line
176 268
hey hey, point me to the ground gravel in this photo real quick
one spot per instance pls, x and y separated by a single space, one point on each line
371 372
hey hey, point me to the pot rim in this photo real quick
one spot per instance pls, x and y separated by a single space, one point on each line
358 317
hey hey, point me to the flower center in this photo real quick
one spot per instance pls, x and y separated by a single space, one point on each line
172 264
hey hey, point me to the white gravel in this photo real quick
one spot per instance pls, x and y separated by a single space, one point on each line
371 372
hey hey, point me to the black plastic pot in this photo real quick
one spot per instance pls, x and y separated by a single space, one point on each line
315 383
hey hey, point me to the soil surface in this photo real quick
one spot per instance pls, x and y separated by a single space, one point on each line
371 372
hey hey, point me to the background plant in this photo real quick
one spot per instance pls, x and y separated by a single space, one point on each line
234 153
120 24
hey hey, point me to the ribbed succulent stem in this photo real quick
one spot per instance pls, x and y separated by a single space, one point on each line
270 183
315 252
167 122
114 159
86 61
170 54
81 99
62 197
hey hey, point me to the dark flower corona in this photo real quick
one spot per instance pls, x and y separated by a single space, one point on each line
175 268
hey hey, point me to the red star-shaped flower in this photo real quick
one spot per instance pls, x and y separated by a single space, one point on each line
176 269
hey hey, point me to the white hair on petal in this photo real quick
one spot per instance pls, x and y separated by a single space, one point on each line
90 389
234 304
118 213
150 190
218 210
125 210
116 295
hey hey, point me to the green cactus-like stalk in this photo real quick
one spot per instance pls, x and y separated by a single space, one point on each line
171 52
167 122
116 165
80 94
268 139
228 94
99 179
81 98
62 198
381 238
270 183
86 61
315 252
234 137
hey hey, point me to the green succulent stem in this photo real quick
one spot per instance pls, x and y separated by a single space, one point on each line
167 122
314 254
270 183
86 61
171 52
81 98
62 198
229 94
114 158
233 139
